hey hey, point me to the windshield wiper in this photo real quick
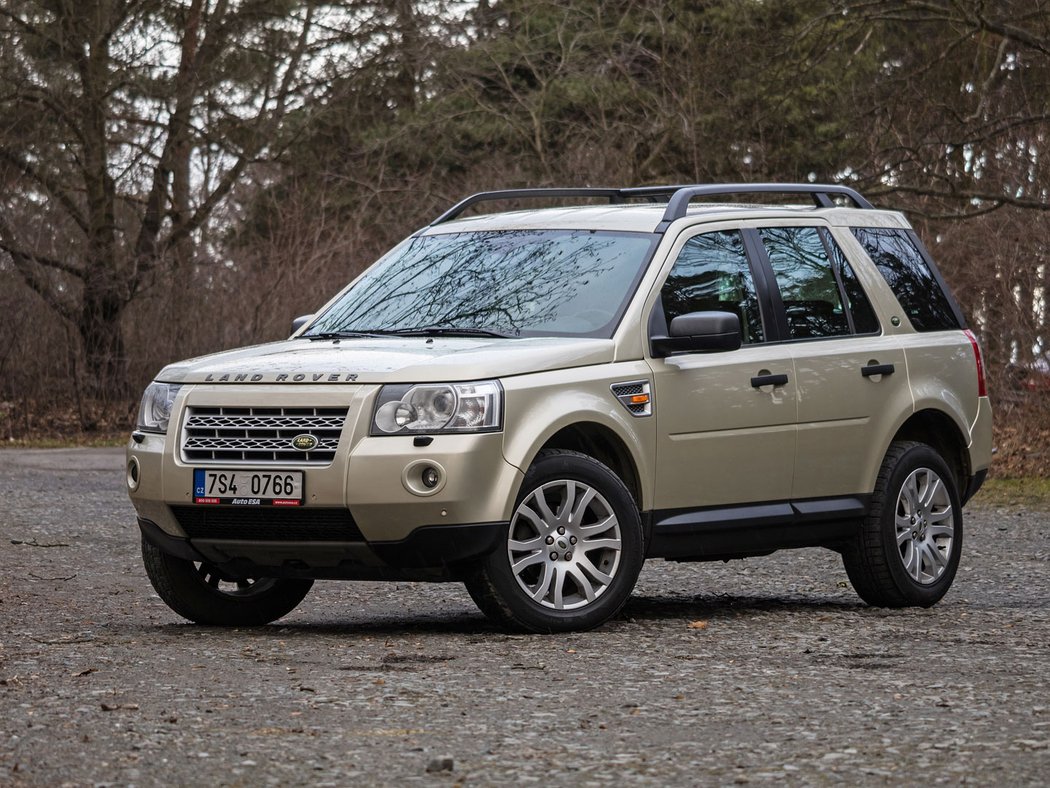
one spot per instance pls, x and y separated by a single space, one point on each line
447 331
422 331
344 334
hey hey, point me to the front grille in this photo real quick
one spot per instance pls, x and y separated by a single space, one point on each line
265 524
260 434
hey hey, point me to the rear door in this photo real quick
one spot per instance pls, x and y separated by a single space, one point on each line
852 381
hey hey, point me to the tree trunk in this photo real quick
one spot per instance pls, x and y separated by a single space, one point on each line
101 331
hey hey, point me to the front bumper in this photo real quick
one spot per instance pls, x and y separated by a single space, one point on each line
373 481
430 553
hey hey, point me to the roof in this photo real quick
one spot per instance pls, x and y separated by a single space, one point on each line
648 217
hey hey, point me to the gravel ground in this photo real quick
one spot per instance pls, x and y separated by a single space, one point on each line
757 671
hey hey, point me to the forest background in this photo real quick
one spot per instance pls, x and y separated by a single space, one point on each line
182 176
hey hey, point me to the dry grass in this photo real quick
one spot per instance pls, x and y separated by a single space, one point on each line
1015 493
28 424
1022 441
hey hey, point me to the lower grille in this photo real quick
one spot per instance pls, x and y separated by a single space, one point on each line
265 524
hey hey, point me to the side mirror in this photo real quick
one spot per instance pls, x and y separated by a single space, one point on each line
301 321
699 332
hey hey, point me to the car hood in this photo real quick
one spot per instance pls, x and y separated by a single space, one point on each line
388 360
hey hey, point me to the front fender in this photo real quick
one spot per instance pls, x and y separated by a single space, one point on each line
539 406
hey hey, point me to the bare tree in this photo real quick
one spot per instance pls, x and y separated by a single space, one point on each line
124 124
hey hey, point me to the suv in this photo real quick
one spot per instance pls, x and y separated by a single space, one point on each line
533 402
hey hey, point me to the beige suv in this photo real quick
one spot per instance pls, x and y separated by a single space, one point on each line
533 402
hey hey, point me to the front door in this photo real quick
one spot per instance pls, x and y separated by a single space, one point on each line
726 421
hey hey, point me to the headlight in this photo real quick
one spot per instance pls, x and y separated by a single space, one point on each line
440 407
155 410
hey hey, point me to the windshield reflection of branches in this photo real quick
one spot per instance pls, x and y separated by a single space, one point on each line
503 281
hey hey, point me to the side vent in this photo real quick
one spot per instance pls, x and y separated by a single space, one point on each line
635 395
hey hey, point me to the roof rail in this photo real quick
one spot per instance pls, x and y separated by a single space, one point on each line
678 205
612 195
678 197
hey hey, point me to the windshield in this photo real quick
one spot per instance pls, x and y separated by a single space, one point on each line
507 283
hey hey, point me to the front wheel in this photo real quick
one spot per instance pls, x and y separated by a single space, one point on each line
202 593
572 553
908 550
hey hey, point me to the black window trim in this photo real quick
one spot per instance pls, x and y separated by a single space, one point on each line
771 306
770 301
826 241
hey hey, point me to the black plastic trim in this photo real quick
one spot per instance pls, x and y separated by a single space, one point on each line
679 202
429 553
774 317
166 543
974 485
780 379
612 195
268 523
828 242
712 533
442 545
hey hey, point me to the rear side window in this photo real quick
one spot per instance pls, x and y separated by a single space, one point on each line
820 293
808 286
913 282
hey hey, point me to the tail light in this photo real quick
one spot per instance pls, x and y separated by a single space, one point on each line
982 390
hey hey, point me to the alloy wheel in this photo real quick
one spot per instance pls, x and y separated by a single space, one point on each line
564 546
925 526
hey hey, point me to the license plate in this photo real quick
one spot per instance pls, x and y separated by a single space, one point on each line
247 488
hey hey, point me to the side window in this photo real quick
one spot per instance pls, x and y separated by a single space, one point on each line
911 280
712 274
860 309
808 286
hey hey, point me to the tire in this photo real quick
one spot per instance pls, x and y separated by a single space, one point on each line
908 550
569 505
201 593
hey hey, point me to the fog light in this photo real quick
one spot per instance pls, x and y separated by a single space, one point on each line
424 477
430 477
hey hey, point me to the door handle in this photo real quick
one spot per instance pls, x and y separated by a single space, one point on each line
769 380
876 369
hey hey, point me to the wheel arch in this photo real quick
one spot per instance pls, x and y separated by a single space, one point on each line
942 432
603 444
597 433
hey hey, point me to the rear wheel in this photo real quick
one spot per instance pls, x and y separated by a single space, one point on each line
573 549
204 594
908 551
